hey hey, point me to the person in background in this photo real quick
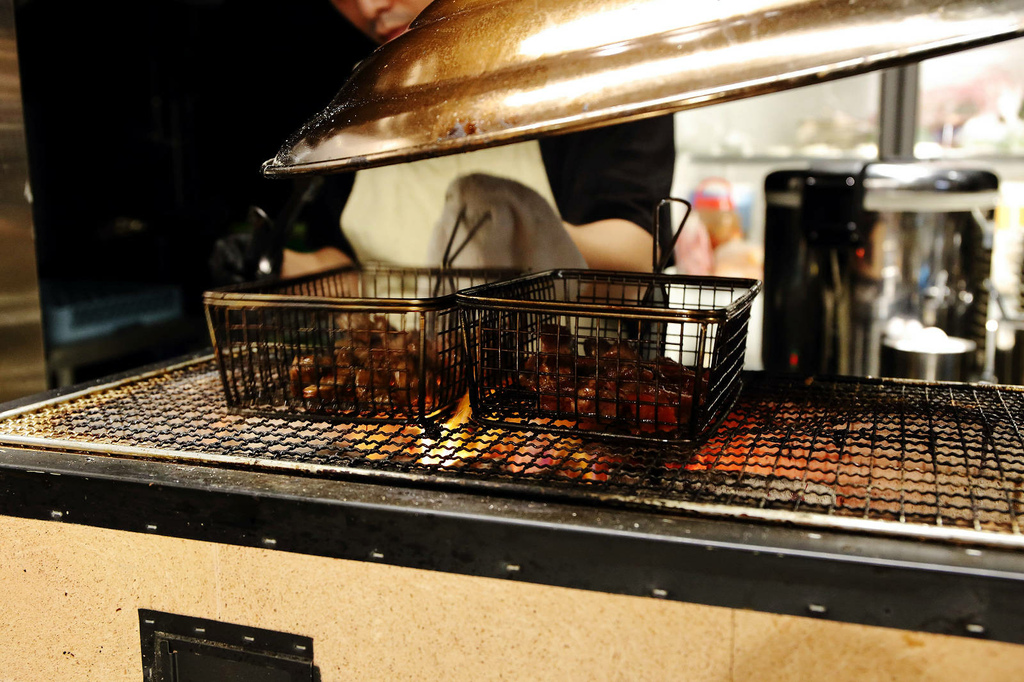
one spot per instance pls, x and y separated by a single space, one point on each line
602 184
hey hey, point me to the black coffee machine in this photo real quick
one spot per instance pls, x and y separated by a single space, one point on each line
859 256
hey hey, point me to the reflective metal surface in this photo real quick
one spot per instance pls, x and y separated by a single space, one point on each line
22 367
476 73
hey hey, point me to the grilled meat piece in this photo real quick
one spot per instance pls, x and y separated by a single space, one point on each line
373 387
373 366
338 384
604 349
608 382
655 408
358 326
305 371
617 360
597 399
307 368
557 339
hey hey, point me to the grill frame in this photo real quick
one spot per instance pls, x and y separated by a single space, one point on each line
839 574
462 458
777 569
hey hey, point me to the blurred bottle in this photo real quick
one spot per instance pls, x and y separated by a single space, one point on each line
694 255
1008 240
713 203
715 215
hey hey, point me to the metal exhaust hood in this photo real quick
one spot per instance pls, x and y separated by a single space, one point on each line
478 73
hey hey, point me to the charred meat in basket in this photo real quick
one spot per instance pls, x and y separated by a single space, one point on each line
373 366
609 381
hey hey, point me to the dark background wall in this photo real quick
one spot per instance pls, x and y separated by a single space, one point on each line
147 123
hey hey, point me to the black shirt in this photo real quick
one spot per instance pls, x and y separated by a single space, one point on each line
619 171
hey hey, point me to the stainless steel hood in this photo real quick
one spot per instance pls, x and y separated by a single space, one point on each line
478 73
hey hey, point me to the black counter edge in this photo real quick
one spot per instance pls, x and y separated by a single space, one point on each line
842 577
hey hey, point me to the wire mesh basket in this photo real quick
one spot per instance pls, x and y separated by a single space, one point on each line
374 344
618 355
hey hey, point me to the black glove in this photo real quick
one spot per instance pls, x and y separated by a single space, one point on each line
248 256
231 260
258 253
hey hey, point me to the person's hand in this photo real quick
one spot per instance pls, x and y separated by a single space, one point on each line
613 244
298 263
247 256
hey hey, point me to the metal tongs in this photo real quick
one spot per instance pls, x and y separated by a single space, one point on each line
661 255
450 256
266 251
660 261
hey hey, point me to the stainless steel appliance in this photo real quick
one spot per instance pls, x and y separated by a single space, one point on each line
878 269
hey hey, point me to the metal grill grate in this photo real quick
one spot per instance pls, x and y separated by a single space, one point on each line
940 461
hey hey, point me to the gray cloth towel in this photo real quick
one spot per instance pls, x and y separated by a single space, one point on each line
517 227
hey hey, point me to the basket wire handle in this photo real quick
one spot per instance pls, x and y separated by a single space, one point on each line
662 255
449 257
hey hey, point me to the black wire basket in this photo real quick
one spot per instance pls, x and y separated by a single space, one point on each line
614 355
376 344
617 355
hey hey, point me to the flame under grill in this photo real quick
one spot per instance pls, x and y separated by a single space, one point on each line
940 461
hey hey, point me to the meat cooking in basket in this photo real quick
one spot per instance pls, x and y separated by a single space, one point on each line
609 354
376 344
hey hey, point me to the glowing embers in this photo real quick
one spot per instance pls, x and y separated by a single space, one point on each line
910 452
526 455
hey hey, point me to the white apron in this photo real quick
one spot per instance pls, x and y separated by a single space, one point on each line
392 211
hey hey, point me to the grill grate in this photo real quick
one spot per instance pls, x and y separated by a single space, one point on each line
940 461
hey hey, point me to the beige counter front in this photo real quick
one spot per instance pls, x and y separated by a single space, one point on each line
71 596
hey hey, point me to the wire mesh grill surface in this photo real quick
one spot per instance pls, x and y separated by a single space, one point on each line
616 355
942 461
377 344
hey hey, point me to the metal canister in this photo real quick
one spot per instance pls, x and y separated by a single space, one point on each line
949 363
849 247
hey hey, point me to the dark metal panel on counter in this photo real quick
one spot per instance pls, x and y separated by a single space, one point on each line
476 73
22 364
